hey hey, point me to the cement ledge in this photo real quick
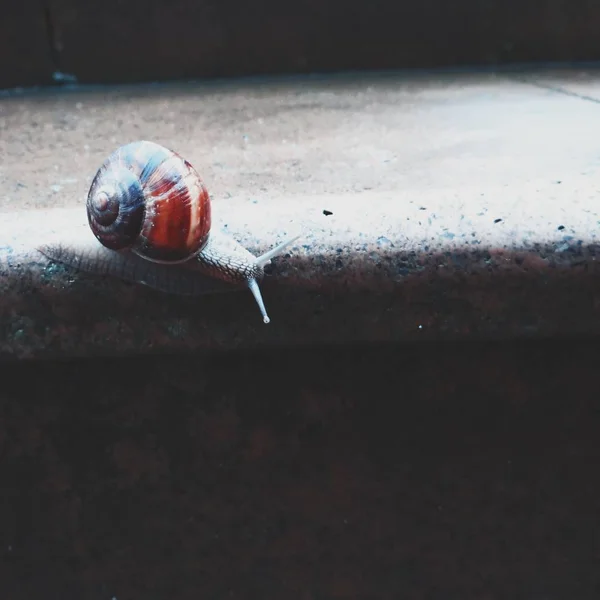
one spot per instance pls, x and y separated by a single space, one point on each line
443 207
379 268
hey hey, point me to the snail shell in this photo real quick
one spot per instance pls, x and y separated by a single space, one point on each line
152 201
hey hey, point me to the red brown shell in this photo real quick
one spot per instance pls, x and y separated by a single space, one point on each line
148 198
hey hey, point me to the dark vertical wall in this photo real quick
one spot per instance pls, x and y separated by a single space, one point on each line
137 40
24 52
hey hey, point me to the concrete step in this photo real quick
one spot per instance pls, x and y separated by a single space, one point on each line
431 206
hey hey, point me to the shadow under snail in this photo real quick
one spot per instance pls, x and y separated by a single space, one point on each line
149 201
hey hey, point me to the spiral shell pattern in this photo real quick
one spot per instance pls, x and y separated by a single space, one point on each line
151 200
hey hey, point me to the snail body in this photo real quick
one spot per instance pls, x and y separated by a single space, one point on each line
148 200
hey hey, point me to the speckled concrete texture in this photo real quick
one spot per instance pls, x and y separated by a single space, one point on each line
455 205
435 471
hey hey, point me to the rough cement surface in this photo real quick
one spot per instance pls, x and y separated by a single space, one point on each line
460 205
432 471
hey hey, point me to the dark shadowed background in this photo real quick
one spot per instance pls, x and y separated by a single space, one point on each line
47 41
427 471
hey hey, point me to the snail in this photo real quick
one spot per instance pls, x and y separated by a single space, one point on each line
147 201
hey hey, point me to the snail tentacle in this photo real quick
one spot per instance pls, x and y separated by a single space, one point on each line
225 258
264 259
